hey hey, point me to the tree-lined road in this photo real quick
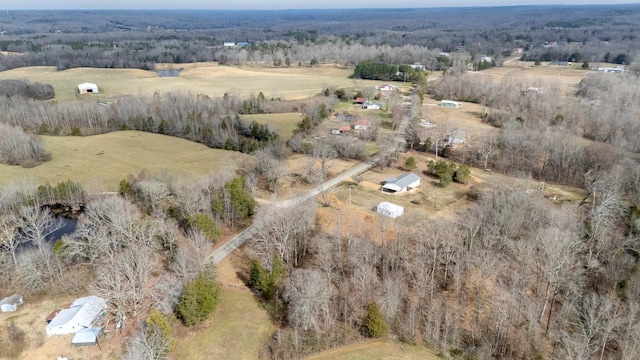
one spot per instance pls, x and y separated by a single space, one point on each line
227 248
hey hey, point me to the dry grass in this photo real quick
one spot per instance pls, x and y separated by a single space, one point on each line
125 152
465 118
564 78
427 200
238 330
202 78
377 349
284 123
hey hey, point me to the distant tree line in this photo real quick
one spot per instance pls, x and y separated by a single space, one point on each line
371 70
20 148
214 122
282 40
26 89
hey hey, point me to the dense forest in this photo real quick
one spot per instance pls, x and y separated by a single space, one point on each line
510 276
139 39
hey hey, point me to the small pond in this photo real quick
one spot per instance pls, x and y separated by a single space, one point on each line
168 73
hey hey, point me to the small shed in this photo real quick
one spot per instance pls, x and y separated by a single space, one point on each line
86 88
11 303
449 103
389 209
87 337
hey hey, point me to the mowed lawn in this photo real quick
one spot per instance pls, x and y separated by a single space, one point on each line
378 350
122 153
201 78
238 330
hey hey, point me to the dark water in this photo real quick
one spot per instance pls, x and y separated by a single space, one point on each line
68 227
168 73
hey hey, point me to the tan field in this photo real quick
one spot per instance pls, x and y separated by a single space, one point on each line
201 78
123 153
563 78
377 350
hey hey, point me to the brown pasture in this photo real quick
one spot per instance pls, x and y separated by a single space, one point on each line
201 78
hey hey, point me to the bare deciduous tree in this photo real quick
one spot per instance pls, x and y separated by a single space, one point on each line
307 293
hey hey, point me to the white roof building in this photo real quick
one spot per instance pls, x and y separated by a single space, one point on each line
86 337
10 303
449 103
86 88
79 315
401 183
389 209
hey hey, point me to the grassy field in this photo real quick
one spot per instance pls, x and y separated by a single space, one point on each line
238 330
378 349
565 78
285 123
125 152
202 78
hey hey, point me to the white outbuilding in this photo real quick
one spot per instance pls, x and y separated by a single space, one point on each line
88 88
11 303
79 315
86 337
389 209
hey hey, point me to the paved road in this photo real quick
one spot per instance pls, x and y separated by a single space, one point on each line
220 253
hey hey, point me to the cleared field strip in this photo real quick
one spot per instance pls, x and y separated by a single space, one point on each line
100 162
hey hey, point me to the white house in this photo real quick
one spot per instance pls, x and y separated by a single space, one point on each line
77 316
85 88
11 303
401 183
485 58
618 69
371 106
387 87
449 103
389 209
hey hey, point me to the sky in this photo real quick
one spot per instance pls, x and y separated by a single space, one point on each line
279 4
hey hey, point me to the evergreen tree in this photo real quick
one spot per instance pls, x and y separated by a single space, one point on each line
198 300
375 323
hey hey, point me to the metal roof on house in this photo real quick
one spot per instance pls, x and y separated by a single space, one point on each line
403 180
80 313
